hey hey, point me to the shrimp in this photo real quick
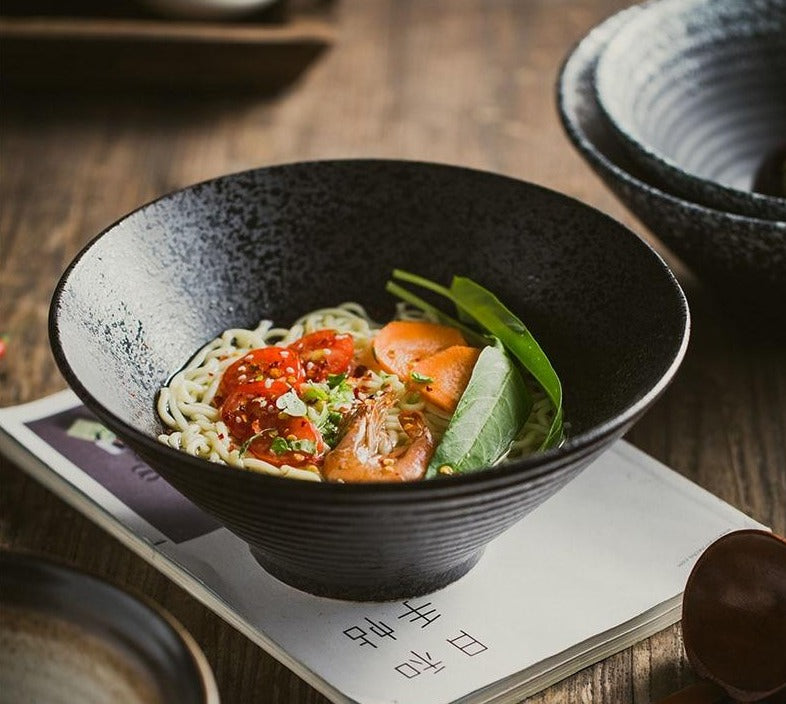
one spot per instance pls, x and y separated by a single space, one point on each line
357 457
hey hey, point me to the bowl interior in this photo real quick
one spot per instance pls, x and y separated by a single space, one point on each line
87 636
695 89
278 242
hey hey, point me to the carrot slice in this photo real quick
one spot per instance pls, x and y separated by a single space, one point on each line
402 343
449 371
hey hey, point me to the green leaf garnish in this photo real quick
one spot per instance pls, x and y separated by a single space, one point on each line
489 415
307 447
341 395
279 446
489 312
312 392
329 432
334 380
330 427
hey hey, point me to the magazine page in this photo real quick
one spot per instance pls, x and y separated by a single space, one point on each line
597 567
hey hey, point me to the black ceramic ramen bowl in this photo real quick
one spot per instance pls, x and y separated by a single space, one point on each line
696 92
742 259
69 636
277 242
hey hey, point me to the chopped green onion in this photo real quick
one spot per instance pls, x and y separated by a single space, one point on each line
334 380
312 392
308 447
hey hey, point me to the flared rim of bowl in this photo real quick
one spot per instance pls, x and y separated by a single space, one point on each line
583 446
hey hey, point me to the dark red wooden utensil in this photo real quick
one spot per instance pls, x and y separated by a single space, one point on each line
734 620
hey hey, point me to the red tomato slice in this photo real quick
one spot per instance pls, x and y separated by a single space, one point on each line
277 363
324 352
250 411
300 432
247 408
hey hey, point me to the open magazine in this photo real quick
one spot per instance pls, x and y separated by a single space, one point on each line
596 568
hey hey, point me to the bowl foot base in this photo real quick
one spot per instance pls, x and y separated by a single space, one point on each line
407 584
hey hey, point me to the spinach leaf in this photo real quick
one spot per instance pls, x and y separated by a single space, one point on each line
477 303
489 312
489 415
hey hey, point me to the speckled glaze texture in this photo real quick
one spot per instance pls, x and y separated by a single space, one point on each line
280 241
742 258
68 636
696 92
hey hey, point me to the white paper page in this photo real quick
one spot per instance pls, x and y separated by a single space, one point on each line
618 541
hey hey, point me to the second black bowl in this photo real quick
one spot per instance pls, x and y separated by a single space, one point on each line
743 259
696 92
280 241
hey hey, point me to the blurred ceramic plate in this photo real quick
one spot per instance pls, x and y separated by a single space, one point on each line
66 636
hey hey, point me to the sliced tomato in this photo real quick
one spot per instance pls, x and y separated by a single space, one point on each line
324 352
247 408
301 435
277 363
250 413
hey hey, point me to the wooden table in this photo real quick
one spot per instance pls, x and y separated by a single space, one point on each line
461 81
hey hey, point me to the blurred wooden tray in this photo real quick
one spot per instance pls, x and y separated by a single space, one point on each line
113 53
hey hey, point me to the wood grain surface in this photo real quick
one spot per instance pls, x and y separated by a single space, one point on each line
468 82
